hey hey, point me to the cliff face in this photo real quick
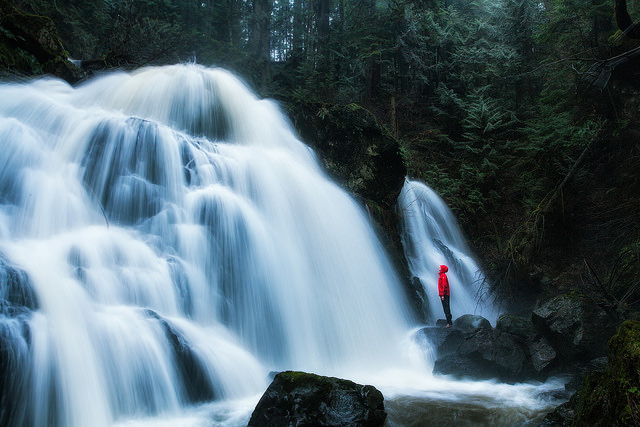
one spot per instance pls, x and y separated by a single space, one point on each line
360 154
30 45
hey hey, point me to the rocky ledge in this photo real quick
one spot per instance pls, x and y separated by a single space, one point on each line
566 335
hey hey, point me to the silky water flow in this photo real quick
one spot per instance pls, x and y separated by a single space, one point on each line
432 237
166 243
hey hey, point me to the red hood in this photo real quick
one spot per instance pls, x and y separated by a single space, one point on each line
444 269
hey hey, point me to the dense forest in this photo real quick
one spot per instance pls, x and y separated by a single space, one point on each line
521 114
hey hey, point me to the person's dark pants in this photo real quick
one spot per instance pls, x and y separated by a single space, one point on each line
446 307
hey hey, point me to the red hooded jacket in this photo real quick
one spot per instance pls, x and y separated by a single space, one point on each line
443 281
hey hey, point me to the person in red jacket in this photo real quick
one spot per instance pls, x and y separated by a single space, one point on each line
443 291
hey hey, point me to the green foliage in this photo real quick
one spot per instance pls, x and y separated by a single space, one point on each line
624 279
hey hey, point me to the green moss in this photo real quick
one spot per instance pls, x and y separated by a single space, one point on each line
612 398
304 379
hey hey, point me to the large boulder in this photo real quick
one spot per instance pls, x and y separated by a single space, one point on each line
575 325
303 399
517 326
483 354
540 352
471 322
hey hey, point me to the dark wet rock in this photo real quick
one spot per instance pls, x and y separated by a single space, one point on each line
15 370
191 369
608 397
451 342
518 326
441 323
483 354
432 337
17 295
355 149
576 326
562 416
471 322
580 371
542 354
303 399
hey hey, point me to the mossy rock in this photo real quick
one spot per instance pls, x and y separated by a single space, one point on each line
612 398
304 399
30 46
355 149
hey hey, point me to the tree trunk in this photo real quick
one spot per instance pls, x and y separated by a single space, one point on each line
260 37
322 28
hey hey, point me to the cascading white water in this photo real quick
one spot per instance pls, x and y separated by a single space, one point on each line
179 242
431 237
165 242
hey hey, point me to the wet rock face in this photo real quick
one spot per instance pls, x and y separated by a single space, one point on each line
512 351
18 300
576 327
518 326
567 335
302 399
482 354
542 354
16 292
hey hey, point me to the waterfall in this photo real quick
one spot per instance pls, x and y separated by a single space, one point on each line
431 237
166 240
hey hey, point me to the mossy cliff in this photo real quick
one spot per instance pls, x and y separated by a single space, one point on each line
30 45
361 155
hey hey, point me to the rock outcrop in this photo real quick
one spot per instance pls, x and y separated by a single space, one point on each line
473 349
30 46
303 399
576 326
565 335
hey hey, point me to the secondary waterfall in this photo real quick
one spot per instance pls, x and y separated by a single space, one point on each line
431 237
165 240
